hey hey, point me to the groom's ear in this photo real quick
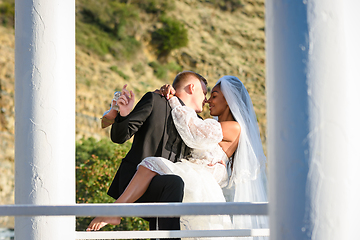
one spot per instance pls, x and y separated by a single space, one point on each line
191 88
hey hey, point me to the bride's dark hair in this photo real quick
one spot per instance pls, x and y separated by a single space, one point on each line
219 84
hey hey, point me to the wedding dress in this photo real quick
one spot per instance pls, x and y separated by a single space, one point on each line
202 173
207 180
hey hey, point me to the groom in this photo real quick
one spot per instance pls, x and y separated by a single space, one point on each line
151 124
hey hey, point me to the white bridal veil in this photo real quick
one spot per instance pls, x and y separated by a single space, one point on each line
248 179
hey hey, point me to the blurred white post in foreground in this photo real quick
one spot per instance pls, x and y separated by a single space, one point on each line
313 99
45 114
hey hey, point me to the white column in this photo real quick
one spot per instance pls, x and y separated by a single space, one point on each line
313 101
45 114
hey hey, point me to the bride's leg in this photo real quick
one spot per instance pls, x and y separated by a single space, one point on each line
136 188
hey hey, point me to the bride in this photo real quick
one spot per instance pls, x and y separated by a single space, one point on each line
227 162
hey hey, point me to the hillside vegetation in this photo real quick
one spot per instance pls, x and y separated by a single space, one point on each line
142 43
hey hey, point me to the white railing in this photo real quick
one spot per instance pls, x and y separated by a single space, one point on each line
147 210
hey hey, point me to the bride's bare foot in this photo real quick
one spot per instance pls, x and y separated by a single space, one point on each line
100 222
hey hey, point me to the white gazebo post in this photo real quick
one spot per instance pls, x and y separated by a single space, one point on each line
45 114
313 85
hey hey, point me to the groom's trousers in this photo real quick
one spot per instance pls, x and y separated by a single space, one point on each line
164 188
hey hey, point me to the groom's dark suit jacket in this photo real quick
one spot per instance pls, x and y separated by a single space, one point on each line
154 135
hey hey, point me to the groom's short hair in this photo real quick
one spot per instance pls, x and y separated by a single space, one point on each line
183 76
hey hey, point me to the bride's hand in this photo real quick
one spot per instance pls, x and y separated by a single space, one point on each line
167 90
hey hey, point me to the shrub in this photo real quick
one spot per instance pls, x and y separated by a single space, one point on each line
7 12
108 27
93 38
172 35
119 72
138 68
129 47
96 165
174 67
226 5
121 19
155 6
161 70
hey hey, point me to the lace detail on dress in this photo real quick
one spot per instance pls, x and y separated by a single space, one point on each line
156 164
203 136
195 132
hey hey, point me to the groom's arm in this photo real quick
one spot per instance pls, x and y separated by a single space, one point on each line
125 127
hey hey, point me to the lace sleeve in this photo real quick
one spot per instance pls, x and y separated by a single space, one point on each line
195 132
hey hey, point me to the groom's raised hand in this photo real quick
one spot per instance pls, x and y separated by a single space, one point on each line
126 101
